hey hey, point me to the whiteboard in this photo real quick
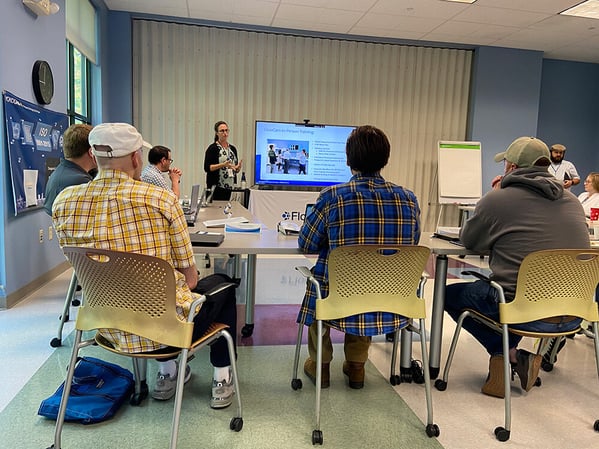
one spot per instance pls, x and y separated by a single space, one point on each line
459 172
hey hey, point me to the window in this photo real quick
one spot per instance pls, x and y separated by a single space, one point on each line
79 95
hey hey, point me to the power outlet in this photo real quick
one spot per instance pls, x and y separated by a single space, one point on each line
50 233
41 236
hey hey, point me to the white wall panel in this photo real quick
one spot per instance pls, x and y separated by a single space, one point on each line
186 77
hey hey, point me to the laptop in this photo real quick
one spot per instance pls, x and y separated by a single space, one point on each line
449 233
191 212
203 238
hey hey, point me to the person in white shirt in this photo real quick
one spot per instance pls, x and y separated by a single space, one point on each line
563 170
590 197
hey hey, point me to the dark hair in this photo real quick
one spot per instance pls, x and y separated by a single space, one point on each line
216 125
367 149
75 143
156 154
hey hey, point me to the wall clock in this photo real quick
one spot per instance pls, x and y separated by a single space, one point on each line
43 82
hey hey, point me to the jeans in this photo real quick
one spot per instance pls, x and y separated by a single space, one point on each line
483 298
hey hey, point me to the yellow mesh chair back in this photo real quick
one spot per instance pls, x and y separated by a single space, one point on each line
371 278
555 283
128 291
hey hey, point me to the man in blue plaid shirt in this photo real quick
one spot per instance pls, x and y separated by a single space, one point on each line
365 210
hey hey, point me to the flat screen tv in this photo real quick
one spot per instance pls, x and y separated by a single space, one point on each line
300 155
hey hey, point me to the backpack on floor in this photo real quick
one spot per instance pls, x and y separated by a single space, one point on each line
98 390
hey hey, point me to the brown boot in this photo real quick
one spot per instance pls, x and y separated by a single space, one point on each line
355 372
495 385
310 371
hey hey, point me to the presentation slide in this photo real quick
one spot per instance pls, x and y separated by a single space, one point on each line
300 154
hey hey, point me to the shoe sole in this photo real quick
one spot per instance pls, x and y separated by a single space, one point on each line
353 384
533 373
221 403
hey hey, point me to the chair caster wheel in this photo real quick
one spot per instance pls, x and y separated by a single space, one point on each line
316 437
440 385
56 342
596 426
394 380
538 382
501 434
296 384
236 424
546 366
432 430
247 330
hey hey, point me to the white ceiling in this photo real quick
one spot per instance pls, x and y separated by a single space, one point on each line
524 24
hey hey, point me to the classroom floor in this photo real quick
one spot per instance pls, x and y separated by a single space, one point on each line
559 414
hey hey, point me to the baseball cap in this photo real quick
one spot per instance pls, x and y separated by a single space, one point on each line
115 140
524 152
558 147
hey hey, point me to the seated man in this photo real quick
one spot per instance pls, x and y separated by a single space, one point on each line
77 167
160 161
117 211
527 211
365 210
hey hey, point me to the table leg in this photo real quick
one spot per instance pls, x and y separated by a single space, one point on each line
437 315
250 296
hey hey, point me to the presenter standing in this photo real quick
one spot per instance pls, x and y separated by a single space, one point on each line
563 170
221 163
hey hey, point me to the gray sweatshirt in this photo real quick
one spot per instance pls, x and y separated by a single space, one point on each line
530 212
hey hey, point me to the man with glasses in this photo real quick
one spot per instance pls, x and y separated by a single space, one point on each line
160 161
119 212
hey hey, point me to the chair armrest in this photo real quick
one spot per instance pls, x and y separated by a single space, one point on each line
305 271
476 274
193 309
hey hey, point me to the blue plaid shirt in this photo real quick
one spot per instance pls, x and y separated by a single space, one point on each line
365 210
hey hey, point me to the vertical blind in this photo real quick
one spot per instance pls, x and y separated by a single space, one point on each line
187 77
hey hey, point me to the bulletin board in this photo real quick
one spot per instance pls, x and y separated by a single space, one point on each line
459 172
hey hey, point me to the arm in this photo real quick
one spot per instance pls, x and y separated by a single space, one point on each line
191 276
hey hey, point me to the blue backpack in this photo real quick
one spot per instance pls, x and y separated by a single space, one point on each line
99 388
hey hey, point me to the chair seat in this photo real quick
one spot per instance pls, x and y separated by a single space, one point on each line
212 330
522 332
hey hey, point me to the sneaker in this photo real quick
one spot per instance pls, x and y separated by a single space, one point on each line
527 368
222 393
547 355
166 386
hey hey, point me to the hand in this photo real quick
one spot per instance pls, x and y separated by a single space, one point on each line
567 184
237 168
175 174
496 182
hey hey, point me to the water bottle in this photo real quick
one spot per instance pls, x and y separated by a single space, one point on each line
243 182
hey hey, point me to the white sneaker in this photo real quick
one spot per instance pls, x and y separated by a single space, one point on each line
166 386
222 393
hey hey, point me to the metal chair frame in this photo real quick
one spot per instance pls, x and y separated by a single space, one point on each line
136 293
539 295
371 278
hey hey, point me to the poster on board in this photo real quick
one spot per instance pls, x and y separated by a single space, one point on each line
459 172
34 143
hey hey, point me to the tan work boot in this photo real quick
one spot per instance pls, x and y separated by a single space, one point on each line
310 371
494 386
355 372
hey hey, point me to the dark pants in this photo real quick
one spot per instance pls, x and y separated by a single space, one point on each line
221 194
220 308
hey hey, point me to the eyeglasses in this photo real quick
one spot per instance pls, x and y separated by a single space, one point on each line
587 181
222 131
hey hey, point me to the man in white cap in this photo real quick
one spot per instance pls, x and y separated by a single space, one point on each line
563 170
110 213
529 211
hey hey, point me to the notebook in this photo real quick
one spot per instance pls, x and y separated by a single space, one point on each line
203 238
191 212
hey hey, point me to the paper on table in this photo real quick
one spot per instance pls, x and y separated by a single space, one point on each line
219 223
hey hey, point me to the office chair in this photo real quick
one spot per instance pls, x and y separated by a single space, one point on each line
371 278
539 295
68 301
136 293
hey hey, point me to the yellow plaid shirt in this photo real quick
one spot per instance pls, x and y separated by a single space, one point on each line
116 212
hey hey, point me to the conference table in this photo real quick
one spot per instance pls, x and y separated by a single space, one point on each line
270 241
267 241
